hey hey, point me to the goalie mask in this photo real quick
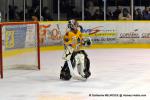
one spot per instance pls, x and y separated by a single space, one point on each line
72 24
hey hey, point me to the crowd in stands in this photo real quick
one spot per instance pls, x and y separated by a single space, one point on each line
124 14
31 13
142 15
68 8
118 14
92 11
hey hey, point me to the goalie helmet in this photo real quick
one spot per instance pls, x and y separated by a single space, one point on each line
73 24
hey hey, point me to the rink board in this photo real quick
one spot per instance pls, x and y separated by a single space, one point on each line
104 34
101 32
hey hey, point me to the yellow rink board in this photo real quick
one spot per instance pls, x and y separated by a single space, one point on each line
54 48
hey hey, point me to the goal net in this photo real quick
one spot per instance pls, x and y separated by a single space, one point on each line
19 47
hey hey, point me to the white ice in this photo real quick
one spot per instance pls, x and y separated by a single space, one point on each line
114 71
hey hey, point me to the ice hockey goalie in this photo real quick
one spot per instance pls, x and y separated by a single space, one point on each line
73 55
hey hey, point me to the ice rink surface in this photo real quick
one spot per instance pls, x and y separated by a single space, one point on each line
119 72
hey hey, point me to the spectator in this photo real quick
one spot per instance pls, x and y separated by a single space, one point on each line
28 12
91 10
125 15
16 13
138 14
77 14
109 15
11 12
36 11
90 7
98 15
116 13
46 14
146 13
87 15
34 18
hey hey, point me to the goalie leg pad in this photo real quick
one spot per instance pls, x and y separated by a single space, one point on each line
65 72
79 58
83 69
87 68
84 63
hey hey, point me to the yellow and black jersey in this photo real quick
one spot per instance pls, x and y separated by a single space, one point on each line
73 39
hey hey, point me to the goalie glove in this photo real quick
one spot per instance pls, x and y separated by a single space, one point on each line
87 41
